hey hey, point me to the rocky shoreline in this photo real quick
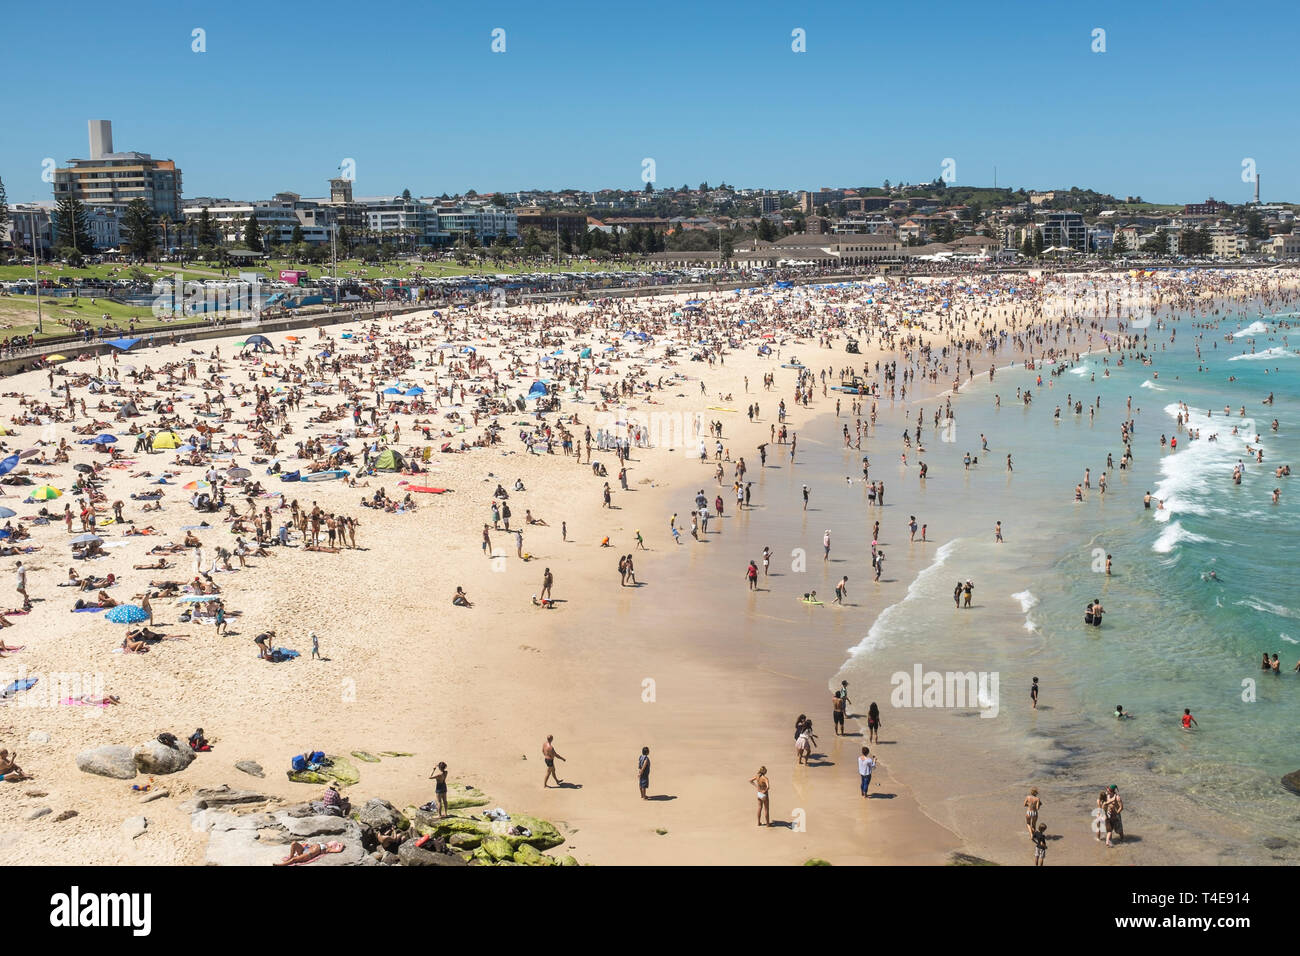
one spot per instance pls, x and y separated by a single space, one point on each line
247 828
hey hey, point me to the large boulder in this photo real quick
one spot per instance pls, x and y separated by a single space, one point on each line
155 757
498 848
412 855
114 760
530 856
380 815
544 835
224 796
1292 782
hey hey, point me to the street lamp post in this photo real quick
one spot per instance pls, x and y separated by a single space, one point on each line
40 327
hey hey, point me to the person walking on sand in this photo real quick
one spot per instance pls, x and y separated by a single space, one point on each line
763 788
550 755
643 772
826 545
1040 845
547 580
315 646
1033 694
1032 803
20 580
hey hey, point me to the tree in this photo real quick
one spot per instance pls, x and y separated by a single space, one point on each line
1119 245
1027 247
1255 227
207 230
766 231
253 233
1038 242
406 195
72 223
296 238
138 229
1157 244
499 199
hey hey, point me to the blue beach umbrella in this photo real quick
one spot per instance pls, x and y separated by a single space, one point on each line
105 439
126 614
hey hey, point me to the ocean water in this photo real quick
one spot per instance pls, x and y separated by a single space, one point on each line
1198 592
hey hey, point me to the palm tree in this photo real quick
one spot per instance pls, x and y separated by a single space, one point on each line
164 220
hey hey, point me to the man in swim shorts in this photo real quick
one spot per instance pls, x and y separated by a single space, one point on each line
550 755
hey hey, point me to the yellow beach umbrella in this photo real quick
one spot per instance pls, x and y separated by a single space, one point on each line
45 493
56 358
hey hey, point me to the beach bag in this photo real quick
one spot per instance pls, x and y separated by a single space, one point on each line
318 756
298 763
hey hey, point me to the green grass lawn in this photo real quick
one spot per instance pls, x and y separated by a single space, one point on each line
346 267
18 314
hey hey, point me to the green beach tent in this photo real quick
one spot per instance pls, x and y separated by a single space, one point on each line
389 460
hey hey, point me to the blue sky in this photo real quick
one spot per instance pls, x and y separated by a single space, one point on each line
413 93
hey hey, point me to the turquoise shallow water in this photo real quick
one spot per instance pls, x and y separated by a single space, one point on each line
1173 637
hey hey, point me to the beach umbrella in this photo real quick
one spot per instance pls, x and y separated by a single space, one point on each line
28 453
86 469
415 390
392 391
165 440
198 485
45 493
105 439
238 473
7 513
86 539
126 614
56 358
9 464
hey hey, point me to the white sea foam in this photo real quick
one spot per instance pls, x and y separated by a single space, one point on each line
880 627
1027 600
1197 474
1172 535
1255 328
1266 607
1152 385
1276 352
1080 370
1288 638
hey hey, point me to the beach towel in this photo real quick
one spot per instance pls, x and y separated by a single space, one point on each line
88 610
18 686
365 755
340 769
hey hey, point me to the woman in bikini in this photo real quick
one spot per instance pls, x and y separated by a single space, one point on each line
763 788
1032 803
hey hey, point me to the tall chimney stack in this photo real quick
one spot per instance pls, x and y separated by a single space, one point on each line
1257 189
101 138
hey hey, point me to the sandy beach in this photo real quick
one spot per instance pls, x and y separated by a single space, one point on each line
713 691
